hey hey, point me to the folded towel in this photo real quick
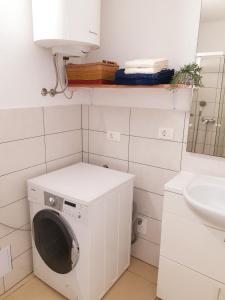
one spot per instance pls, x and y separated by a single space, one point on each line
163 77
143 70
147 63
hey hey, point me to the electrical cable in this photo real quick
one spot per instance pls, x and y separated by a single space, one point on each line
136 222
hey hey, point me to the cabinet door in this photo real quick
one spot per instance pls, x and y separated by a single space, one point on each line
196 246
176 282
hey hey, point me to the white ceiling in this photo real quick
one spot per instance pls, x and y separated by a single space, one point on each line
213 10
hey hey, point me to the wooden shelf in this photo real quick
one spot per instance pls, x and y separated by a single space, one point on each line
114 86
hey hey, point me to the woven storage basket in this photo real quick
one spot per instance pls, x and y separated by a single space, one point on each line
95 73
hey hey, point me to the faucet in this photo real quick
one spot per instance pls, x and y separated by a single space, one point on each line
208 120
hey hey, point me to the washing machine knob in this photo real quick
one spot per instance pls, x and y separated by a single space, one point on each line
51 201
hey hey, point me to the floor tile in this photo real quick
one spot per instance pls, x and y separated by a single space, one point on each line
131 287
35 290
137 283
144 270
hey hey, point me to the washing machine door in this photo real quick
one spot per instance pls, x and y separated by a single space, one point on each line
55 241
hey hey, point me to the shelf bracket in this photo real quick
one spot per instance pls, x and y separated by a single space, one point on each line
174 93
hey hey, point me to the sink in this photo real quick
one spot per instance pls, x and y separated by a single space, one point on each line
206 196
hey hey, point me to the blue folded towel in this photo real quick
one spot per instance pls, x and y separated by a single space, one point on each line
162 77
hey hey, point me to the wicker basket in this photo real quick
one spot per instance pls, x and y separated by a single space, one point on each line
95 73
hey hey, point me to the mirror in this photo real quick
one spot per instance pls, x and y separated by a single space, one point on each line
206 133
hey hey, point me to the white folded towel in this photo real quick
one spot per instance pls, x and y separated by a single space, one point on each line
142 70
147 63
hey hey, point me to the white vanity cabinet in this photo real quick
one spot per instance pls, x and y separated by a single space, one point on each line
192 253
177 282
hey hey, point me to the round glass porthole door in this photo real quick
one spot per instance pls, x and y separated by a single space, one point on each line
55 241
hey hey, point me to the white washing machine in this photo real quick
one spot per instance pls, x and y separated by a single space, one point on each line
81 220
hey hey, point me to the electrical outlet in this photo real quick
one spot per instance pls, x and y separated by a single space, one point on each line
5 261
142 225
113 136
166 133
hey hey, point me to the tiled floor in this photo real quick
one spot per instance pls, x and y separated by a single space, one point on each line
139 282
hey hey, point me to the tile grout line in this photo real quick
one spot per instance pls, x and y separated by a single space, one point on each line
182 148
88 133
142 277
134 162
28 250
20 170
139 136
45 148
62 157
38 136
41 164
82 133
128 156
14 230
4 206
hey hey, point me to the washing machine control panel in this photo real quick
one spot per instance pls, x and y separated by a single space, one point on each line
75 210
53 201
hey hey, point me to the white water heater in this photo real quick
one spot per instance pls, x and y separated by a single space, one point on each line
69 27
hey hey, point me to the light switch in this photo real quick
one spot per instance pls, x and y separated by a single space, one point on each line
166 133
113 136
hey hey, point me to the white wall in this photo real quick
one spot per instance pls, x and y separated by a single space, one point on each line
148 28
212 36
25 68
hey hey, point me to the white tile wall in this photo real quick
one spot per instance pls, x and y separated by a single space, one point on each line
150 178
64 162
33 141
63 144
13 186
153 233
148 204
112 163
140 152
163 154
20 123
62 118
20 241
146 251
146 122
109 118
98 144
22 154
15 214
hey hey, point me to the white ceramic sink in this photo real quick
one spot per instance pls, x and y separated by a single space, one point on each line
206 196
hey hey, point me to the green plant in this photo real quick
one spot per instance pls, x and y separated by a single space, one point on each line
189 74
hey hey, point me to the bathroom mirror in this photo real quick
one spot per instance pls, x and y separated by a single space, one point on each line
206 133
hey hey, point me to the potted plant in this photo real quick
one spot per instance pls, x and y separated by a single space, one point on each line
189 75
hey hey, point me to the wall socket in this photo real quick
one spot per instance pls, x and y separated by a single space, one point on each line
166 133
113 136
142 225
5 261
